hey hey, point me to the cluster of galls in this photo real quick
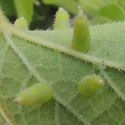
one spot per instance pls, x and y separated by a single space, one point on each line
42 92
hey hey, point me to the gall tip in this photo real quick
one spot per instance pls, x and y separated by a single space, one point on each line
21 23
80 11
22 17
61 9
101 82
18 99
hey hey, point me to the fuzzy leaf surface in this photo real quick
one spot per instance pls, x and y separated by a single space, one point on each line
29 57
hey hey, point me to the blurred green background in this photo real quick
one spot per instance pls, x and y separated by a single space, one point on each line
40 13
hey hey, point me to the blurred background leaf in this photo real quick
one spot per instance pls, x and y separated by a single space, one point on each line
100 11
70 5
24 8
41 13
111 9
1 119
100 20
8 7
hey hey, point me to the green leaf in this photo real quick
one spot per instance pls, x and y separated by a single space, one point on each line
8 7
113 12
102 10
30 57
100 20
112 9
64 3
122 3
92 7
24 8
1 119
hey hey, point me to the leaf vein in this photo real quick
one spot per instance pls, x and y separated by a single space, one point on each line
69 51
110 82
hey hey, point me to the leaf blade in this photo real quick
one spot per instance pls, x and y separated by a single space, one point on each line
61 70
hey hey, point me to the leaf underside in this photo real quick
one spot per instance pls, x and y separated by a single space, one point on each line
29 57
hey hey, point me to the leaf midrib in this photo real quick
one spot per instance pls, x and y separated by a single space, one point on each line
68 51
